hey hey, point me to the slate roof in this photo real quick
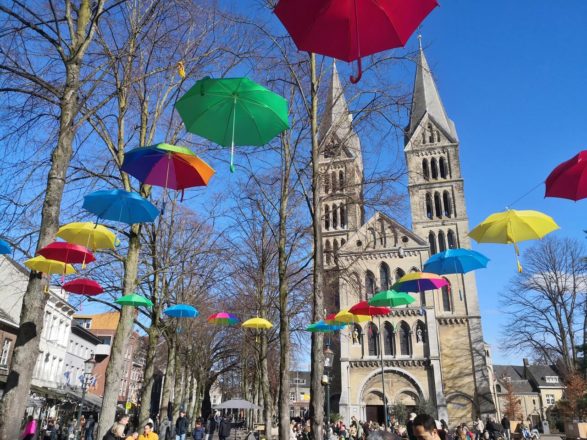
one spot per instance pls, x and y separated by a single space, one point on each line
539 373
520 384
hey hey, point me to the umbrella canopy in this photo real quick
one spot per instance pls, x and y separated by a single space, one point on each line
258 323
134 300
120 206
5 248
323 327
455 261
331 319
44 265
67 253
168 166
391 298
351 29
83 286
569 179
223 318
181 311
419 282
233 111
348 317
237 404
364 308
89 235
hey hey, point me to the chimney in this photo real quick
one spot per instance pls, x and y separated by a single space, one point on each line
526 365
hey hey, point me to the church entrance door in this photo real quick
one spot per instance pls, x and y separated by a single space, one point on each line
375 413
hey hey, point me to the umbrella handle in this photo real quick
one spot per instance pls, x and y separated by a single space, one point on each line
356 79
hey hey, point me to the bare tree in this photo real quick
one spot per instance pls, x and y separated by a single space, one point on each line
544 303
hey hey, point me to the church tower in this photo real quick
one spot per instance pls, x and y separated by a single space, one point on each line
439 216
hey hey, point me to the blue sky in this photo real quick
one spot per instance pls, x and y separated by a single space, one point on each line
512 75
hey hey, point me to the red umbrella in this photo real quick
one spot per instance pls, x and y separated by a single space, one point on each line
83 286
569 179
363 308
67 253
351 29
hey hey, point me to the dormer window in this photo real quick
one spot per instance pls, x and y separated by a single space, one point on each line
551 379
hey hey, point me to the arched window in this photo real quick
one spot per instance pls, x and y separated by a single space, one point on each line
382 235
446 300
451 239
437 205
326 217
424 137
369 284
342 242
398 274
333 179
432 242
421 335
429 211
341 180
443 168
335 251
384 276
372 238
327 251
441 241
434 168
447 204
405 339
425 169
327 183
388 340
373 339
430 133
437 133
334 216
342 216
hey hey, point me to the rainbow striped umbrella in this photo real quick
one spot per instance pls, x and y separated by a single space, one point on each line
223 318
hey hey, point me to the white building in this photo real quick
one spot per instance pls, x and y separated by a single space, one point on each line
82 346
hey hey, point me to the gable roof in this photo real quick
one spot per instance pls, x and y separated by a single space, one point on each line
539 373
520 385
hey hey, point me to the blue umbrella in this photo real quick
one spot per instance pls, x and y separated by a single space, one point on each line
5 247
323 327
455 261
181 311
120 206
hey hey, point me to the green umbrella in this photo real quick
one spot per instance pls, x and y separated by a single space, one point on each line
233 111
391 298
134 300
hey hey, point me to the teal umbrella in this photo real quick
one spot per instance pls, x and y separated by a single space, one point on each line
233 111
134 300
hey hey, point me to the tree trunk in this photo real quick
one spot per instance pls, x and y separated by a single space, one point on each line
169 379
121 337
145 412
26 348
267 400
177 386
284 345
317 355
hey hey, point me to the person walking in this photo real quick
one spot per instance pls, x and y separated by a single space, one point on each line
181 426
90 425
148 433
224 429
30 429
210 427
199 431
479 428
505 423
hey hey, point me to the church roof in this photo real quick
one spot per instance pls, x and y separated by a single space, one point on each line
336 111
426 100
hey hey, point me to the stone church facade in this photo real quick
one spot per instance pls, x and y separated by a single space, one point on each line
432 349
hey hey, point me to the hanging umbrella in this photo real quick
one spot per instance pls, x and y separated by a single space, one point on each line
569 179
391 298
67 253
168 166
331 319
365 308
454 261
44 265
89 235
223 318
120 206
512 227
258 323
83 286
351 29
419 282
323 327
233 111
348 317
5 247
134 300
181 311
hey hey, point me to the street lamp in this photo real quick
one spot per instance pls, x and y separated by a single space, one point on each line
88 372
328 360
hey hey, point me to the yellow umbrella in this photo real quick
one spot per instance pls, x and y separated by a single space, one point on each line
258 323
88 234
44 265
512 227
348 317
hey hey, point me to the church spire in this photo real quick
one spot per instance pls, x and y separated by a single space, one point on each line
337 117
426 99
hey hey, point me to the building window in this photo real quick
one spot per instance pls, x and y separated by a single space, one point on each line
292 397
551 379
443 168
425 169
498 388
441 241
550 399
384 276
447 204
434 168
373 340
327 183
342 216
421 332
334 216
446 305
430 134
389 340
429 211
437 205
5 351
335 251
382 234
452 241
327 252
405 342
341 180
432 242
326 217
370 284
